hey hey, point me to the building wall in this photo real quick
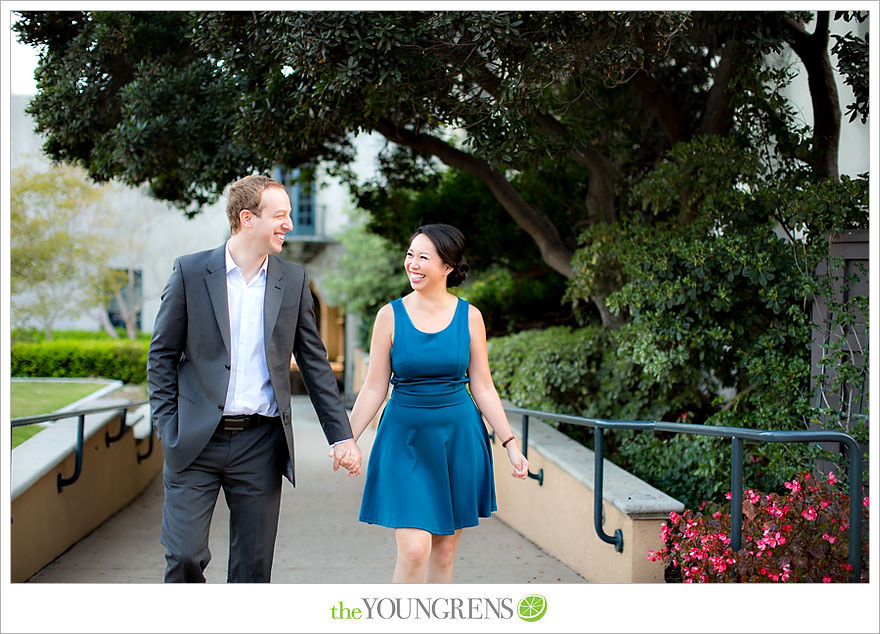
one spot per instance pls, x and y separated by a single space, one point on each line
158 232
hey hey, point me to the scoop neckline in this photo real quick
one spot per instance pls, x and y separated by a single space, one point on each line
435 332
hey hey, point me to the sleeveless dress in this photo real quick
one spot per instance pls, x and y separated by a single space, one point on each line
430 465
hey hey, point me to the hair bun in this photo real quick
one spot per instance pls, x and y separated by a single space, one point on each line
457 275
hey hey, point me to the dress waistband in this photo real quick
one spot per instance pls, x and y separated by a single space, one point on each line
414 397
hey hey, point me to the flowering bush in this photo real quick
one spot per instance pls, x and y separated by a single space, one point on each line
799 536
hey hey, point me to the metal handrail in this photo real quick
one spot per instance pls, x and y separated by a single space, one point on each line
81 419
737 436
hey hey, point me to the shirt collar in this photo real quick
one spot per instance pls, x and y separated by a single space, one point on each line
231 265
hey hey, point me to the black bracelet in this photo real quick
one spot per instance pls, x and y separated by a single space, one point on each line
504 444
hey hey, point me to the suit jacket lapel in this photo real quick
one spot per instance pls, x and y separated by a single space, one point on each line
272 301
215 279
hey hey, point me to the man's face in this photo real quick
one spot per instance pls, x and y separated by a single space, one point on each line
274 220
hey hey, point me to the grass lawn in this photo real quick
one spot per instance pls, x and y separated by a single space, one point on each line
29 398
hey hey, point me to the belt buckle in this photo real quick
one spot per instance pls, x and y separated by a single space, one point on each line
236 423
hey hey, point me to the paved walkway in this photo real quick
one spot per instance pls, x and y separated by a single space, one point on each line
319 537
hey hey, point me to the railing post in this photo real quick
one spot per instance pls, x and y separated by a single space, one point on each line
598 496
108 439
854 476
539 476
144 456
62 481
736 491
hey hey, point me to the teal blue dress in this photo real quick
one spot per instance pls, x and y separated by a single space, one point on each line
431 464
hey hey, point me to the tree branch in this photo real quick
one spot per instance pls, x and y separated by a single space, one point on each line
533 222
600 193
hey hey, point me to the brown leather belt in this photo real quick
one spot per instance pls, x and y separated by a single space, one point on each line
246 421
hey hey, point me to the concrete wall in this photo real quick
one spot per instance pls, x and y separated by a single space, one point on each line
558 515
46 522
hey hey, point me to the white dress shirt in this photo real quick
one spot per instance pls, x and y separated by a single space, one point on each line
250 389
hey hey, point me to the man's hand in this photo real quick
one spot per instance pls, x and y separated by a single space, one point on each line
346 454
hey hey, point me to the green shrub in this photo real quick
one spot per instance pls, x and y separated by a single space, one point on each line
122 359
582 372
511 302
577 371
35 335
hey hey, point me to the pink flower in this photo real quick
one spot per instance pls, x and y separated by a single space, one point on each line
716 514
865 502
794 485
810 514
832 479
727 495
754 498
829 538
826 579
674 517
664 533
825 504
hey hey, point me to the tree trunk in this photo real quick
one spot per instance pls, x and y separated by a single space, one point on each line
104 319
813 52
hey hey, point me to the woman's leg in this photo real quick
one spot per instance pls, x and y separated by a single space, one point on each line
413 551
442 559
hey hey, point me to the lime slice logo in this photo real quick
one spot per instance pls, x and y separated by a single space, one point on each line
532 607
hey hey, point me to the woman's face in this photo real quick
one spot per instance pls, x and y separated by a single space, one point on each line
423 264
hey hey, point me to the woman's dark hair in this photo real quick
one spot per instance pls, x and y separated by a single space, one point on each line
450 245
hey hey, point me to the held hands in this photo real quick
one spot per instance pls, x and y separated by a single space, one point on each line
346 454
518 460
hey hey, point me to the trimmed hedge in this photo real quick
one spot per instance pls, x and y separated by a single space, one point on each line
576 371
121 359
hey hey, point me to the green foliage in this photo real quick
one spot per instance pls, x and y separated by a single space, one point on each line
852 53
31 335
369 274
575 371
57 253
723 304
453 197
125 360
510 302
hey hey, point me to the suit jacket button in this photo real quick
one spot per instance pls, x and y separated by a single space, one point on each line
228 367
220 407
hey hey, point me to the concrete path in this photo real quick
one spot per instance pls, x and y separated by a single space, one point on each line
319 540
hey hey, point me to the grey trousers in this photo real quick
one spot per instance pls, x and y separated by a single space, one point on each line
248 465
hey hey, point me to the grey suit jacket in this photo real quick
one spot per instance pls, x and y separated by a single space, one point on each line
188 365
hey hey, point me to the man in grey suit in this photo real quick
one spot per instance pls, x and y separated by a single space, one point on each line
219 380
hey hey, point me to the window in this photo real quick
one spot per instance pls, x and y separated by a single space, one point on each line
300 186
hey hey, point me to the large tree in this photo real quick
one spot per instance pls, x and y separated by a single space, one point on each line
57 255
187 101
